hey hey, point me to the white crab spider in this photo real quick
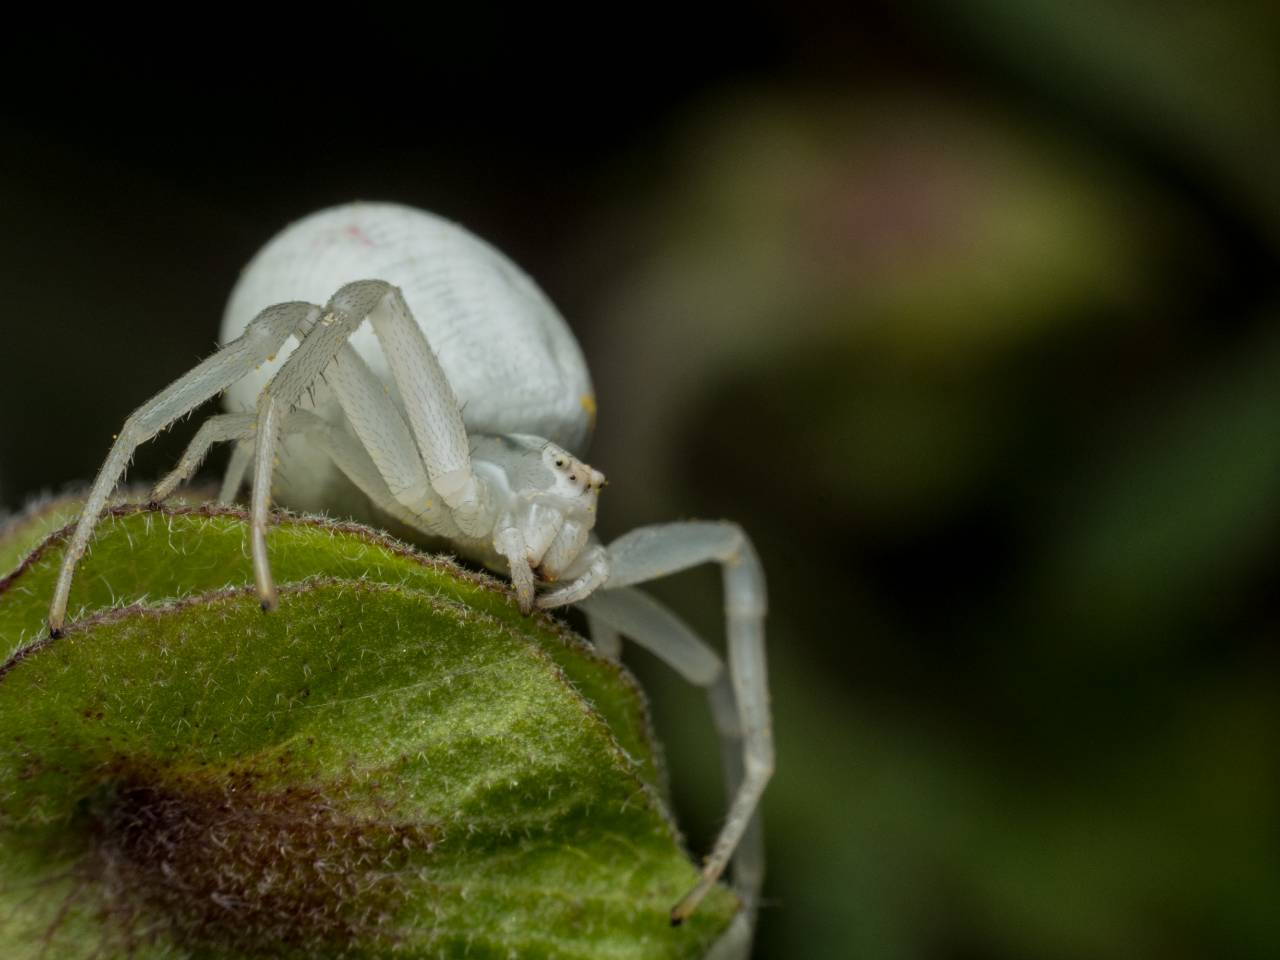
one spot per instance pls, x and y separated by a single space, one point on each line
458 410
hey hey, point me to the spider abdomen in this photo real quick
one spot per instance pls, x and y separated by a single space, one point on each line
509 356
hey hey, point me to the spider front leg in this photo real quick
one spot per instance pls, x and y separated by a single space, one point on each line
510 543
587 575
430 453
652 552
645 621
217 429
261 340
351 458
317 348
432 409
237 467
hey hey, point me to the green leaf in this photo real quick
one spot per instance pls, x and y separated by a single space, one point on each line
21 533
395 763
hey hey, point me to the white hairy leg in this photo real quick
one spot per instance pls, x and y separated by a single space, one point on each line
646 621
586 576
355 463
351 458
432 410
434 415
377 424
510 543
344 313
652 552
652 625
216 429
368 409
748 858
606 640
237 467
372 415
260 341
380 427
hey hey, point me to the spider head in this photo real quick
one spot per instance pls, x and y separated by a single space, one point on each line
548 493
562 514
574 485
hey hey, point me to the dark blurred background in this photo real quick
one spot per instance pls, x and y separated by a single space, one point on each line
969 312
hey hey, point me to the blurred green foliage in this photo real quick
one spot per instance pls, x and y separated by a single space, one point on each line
999 403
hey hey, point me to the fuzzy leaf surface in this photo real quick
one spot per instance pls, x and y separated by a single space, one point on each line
396 763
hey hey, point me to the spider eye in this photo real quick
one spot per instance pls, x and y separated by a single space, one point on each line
560 463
